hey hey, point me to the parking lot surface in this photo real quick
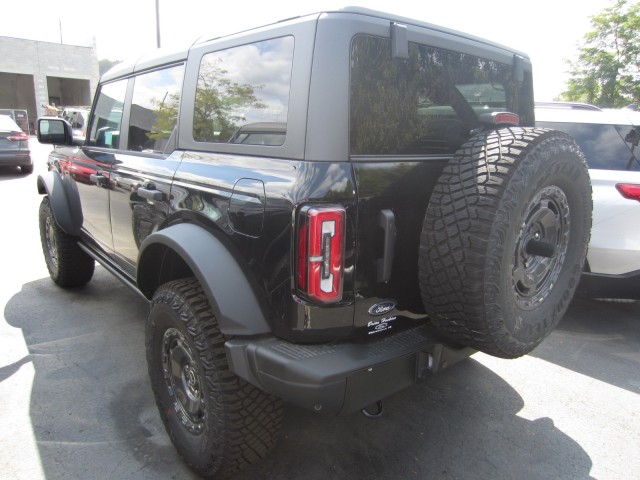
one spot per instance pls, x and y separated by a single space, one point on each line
77 403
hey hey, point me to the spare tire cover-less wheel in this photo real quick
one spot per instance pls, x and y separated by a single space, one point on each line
504 239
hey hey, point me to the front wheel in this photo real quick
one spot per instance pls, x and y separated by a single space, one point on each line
219 423
68 264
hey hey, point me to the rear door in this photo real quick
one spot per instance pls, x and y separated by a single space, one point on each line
141 177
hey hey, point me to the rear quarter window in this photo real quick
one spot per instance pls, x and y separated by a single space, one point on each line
604 146
242 95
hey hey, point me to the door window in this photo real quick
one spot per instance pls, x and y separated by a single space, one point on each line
154 109
107 115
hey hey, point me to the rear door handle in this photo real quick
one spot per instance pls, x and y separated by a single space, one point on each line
151 193
98 179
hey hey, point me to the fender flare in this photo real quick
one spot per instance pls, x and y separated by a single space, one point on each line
64 200
234 301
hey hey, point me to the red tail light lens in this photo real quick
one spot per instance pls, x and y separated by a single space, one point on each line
632 192
17 137
499 118
321 253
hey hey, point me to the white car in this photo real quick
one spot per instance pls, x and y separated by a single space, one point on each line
609 140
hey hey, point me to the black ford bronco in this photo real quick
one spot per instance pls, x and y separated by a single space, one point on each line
323 210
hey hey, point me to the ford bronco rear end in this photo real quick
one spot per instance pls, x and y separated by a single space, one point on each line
323 210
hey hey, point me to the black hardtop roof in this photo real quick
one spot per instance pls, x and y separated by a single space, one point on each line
160 57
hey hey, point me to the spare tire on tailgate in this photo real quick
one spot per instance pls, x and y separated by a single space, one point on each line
504 239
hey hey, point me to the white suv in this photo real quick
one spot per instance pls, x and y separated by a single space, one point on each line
609 140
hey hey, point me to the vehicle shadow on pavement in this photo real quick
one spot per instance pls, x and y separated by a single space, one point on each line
600 339
92 409
93 413
461 424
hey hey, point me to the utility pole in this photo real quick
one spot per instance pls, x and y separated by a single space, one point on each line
158 22
60 25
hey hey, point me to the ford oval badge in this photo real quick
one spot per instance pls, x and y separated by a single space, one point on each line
382 308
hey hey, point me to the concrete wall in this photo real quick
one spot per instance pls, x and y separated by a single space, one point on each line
62 64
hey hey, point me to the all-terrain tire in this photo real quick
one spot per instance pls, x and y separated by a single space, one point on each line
68 265
504 239
218 422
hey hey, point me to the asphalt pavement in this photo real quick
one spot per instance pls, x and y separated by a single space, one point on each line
77 404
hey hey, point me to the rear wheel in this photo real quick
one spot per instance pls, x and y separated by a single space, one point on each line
504 239
68 264
219 423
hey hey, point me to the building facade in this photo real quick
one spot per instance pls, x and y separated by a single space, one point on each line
35 74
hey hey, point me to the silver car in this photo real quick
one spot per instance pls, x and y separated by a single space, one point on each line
14 145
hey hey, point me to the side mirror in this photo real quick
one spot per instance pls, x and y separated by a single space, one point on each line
54 131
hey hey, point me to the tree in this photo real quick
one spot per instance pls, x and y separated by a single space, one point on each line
606 72
105 65
220 103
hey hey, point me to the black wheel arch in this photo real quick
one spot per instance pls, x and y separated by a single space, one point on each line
187 249
64 200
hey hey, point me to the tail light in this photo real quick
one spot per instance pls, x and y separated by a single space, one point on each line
630 191
320 257
18 137
500 118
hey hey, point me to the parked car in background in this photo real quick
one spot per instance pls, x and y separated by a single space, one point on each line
609 140
14 145
77 117
21 117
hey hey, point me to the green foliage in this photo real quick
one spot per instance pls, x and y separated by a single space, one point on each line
219 103
606 72
166 117
105 65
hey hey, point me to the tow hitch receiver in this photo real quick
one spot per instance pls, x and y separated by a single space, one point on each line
440 357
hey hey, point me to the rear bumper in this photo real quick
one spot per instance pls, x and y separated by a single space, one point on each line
13 159
341 378
598 285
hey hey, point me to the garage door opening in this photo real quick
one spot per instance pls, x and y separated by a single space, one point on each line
65 92
17 92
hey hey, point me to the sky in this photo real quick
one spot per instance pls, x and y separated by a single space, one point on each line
548 30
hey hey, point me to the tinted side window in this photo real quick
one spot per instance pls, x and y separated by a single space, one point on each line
602 145
78 120
427 104
154 109
107 115
242 94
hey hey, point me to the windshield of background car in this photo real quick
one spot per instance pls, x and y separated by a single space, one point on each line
107 115
429 103
605 147
242 86
8 125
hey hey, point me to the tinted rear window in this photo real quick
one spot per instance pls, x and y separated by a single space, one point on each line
429 103
604 146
